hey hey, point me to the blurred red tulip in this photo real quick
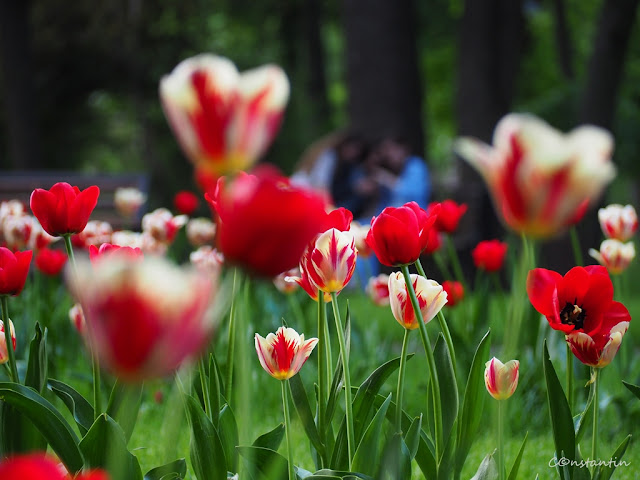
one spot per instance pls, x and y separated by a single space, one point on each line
455 292
489 255
449 216
51 262
64 209
14 267
38 466
186 202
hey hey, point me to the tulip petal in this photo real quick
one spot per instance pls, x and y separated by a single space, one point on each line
542 288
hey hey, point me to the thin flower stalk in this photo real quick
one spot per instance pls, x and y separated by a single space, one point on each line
443 326
323 379
455 262
95 363
344 355
231 342
401 375
501 468
435 384
287 428
595 377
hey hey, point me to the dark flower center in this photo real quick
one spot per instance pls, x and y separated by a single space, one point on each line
572 314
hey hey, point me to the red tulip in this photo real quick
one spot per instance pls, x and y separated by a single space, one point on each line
540 179
489 255
581 301
51 262
14 268
96 253
455 292
146 317
434 242
264 223
399 235
223 120
64 209
449 216
38 466
282 354
186 202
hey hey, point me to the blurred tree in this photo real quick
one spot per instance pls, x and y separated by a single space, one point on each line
384 84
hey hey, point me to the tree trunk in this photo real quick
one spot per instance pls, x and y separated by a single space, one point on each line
383 78
17 84
491 33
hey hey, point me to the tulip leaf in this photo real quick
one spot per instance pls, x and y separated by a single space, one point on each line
264 463
214 390
105 446
396 460
17 433
513 474
362 405
124 405
77 405
206 450
448 386
175 470
37 368
272 439
326 473
488 470
301 402
561 419
583 420
366 458
412 437
47 420
473 403
604 472
635 389
228 432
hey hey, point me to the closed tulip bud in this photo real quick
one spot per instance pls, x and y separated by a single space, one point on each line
378 289
501 379
128 200
489 255
76 317
4 355
614 255
332 260
431 298
618 222
282 354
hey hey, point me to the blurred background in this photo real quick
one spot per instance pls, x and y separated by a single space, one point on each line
79 80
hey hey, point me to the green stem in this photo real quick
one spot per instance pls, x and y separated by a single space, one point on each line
231 342
442 266
95 362
401 373
287 428
594 439
206 394
435 384
455 262
518 299
323 379
570 378
7 338
347 378
575 245
443 325
501 469
328 354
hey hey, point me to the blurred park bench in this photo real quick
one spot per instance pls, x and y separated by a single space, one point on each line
18 185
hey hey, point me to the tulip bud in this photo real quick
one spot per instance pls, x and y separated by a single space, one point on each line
4 354
501 379
431 298
614 255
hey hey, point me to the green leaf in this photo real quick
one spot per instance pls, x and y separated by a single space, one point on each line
228 432
214 389
105 446
448 387
412 438
635 389
396 460
47 420
17 433
264 463
207 454
301 402
366 458
334 473
513 474
362 404
425 457
37 368
561 420
488 470
272 439
124 405
174 470
604 472
78 406
473 403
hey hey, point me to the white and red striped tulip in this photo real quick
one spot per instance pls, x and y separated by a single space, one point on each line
618 222
501 379
614 255
4 354
223 120
330 261
282 354
431 298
